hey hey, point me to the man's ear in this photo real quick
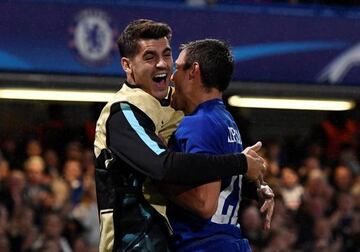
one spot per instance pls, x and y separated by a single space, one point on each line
195 70
126 65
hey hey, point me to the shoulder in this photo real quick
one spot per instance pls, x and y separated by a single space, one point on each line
197 124
136 97
199 131
195 120
143 102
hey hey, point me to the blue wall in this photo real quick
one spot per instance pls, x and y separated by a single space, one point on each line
270 43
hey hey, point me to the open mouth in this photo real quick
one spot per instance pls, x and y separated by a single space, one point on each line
160 77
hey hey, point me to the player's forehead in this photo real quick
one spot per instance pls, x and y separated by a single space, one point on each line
154 45
181 58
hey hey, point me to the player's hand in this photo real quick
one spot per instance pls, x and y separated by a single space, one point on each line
256 164
266 193
252 150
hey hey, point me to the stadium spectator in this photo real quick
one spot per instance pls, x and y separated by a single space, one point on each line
323 239
252 227
86 213
22 232
343 178
4 173
37 189
33 148
4 229
73 175
50 238
291 190
52 163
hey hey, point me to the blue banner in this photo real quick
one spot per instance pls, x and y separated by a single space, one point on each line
269 43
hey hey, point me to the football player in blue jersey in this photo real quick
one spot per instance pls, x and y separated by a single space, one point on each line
204 218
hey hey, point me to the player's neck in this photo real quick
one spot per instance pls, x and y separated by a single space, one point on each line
213 94
201 97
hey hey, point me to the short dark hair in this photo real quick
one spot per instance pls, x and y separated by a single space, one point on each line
215 60
138 30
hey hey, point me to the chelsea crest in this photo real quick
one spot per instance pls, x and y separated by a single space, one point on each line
93 37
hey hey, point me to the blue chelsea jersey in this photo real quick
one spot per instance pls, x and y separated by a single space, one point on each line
209 129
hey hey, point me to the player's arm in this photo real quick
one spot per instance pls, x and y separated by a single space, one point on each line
201 200
131 136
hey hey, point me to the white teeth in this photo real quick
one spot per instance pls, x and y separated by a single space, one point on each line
160 75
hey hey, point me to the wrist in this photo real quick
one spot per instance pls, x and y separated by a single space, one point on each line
243 164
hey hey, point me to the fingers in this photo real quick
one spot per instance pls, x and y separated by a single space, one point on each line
256 164
267 225
260 182
256 167
269 215
268 207
253 149
250 152
264 168
265 206
254 155
256 147
266 191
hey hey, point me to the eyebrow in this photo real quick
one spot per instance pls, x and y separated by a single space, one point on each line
151 51
168 49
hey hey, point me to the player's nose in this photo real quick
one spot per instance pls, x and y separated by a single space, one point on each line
161 63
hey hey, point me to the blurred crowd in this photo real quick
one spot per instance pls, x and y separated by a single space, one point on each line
47 188
48 200
45 204
317 188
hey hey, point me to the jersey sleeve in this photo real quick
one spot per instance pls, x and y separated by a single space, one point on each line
131 136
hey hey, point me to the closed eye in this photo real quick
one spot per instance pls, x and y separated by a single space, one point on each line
148 56
167 53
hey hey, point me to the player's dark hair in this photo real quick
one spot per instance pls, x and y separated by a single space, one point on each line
215 60
138 30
